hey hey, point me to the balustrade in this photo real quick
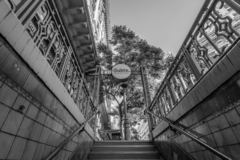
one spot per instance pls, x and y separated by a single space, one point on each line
215 31
43 23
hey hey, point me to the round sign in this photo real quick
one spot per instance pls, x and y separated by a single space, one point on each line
121 72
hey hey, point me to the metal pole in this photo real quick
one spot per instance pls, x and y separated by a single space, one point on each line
192 137
66 141
126 122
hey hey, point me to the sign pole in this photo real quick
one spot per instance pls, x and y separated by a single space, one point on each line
126 121
121 73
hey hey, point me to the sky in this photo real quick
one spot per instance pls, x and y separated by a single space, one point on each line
163 23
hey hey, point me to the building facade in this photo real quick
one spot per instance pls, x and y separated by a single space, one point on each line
100 20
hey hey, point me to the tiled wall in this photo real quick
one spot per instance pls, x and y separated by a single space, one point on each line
216 121
170 150
12 30
32 121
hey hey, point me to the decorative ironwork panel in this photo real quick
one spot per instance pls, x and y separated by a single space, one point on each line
158 112
161 106
158 105
19 5
46 30
155 119
167 100
222 26
185 75
226 22
176 87
217 29
164 104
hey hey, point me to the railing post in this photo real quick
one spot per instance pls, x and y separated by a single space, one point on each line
191 63
126 122
170 92
96 98
210 41
147 98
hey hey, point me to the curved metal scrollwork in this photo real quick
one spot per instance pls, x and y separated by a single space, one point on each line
45 29
218 29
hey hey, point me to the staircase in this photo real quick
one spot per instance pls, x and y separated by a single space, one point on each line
127 150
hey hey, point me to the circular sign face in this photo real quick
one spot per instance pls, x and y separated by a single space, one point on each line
121 72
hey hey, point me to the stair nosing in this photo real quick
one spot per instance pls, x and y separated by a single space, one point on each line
122 152
115 146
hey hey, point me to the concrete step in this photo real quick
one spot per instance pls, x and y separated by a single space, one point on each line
101 143
124 155
126 148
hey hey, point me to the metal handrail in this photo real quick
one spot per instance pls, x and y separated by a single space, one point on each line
66 141
191 136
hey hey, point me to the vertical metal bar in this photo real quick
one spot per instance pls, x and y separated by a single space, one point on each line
191 63
79 91
162 106
97 98
170 92
51 43
197 49
25 19
126 122
98 84
210 41
63 72
234 4
178 78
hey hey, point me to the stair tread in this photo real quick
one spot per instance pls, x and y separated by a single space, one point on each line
122 141
127 150
125 146
124 152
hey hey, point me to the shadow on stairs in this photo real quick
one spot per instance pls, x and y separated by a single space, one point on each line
127 150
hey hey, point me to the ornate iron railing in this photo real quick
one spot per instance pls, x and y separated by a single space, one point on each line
193 137
214 32
44 24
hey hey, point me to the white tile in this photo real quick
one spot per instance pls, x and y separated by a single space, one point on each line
7 95
29 150
4 110
4 10
17 148
8 23
26 127
27 51
13 122
15 34
22 41
21 101
6 141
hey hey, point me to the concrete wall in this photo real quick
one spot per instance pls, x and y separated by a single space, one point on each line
32 120
211 111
